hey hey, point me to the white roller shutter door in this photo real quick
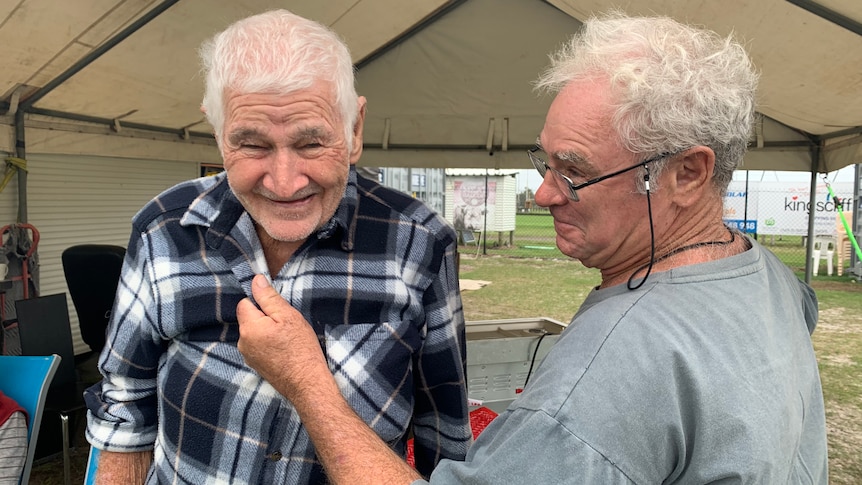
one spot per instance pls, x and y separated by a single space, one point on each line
79 200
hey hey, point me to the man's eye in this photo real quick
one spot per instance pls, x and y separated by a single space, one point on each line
251 146
574 174
570 172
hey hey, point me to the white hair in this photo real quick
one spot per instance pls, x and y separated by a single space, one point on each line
674 86
276 52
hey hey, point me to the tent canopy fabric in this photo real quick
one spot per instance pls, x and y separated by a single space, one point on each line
448 82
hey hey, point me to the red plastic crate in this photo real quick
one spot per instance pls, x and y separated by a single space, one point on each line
480 418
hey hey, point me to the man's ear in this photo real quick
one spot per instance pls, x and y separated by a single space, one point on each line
690 175
356 149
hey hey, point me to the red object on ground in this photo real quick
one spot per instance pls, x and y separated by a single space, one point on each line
480 418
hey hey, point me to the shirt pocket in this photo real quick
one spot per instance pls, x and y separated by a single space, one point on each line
373 366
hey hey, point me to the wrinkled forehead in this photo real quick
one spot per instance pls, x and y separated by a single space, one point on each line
583 102
580 131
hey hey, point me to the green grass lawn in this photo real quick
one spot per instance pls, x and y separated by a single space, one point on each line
533 237
554 288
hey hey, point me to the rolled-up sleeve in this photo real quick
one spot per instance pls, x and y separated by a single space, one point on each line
122 409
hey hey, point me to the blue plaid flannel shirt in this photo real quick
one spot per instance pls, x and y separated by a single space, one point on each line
379 285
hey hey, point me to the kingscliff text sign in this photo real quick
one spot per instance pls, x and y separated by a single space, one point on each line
782 208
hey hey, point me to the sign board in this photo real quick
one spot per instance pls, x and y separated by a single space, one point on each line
782 208
470 207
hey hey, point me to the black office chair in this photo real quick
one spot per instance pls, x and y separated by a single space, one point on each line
92 273
44 329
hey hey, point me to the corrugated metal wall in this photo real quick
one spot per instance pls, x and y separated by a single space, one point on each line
427 184
436 189
77 200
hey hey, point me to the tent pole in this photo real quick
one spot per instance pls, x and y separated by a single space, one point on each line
27 104
856 222
20 152
816 153
745 210
485 221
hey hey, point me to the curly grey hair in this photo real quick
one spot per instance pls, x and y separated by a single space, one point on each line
674 86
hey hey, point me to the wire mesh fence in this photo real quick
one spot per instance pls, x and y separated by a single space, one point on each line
533 237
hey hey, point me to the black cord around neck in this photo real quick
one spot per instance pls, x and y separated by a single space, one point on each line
654 260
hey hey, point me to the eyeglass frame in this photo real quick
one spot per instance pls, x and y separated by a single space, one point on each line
540 164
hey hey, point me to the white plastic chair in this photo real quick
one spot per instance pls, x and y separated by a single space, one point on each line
824 248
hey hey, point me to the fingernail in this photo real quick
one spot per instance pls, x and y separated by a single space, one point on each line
260 281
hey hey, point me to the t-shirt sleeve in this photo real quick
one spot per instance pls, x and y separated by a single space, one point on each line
527 443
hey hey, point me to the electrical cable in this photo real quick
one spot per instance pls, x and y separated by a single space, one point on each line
545 333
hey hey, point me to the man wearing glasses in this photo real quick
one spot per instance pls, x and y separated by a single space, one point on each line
692 361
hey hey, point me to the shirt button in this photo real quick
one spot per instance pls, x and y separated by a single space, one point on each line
275 456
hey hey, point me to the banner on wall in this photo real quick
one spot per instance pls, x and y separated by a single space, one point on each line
469 209
782 208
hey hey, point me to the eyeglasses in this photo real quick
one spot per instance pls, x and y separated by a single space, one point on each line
542 167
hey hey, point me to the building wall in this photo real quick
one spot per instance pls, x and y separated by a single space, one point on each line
426 184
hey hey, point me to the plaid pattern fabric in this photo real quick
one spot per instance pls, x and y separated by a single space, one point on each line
377 283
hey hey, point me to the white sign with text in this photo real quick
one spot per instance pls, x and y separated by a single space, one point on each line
781 208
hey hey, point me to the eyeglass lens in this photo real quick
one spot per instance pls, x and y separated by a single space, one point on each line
542 167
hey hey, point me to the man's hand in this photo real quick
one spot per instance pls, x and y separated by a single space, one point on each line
279 343
282 347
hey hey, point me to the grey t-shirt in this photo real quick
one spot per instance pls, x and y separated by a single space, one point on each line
704 374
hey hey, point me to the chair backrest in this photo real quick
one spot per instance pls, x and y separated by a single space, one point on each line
44 329
92 273
92 466
26 379
824 243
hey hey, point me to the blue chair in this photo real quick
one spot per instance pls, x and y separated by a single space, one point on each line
92 464
26 380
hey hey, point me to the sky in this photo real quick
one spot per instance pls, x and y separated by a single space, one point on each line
530 178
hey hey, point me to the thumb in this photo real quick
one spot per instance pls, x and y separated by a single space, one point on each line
271 303
247 311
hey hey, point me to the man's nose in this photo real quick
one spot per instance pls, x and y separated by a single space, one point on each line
288 170
549 193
